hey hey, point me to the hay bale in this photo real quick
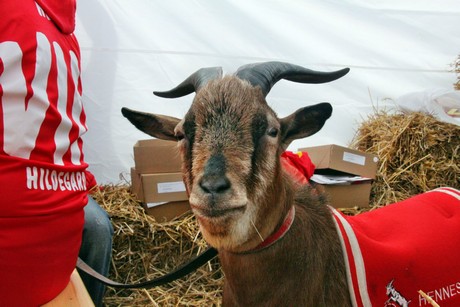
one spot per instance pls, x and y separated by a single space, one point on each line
456 66
417 153
144 249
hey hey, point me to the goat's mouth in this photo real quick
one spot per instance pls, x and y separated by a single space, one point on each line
214 207
213 213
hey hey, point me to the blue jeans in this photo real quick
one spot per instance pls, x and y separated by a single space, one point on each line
96 248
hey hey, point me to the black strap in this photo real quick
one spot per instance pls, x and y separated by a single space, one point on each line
180 272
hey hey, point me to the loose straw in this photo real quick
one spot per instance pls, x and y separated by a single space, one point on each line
428 298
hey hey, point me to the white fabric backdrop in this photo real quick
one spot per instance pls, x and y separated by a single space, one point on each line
130 48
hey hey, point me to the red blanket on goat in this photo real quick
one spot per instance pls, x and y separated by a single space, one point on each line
395 251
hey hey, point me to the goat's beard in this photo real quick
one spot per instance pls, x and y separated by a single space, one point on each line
231 233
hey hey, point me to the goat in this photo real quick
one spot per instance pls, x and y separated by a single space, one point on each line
231 142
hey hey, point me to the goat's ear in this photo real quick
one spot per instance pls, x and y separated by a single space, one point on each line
304 122
159 126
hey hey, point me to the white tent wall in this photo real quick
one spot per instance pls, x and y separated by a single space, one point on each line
130 48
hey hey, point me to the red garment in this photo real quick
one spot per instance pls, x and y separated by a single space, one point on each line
298 165
43 186
395 251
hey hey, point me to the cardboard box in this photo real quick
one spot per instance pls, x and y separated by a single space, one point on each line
167 211
136 184
156 156
158 188
348 196
161 210
342 159
163 187
337 160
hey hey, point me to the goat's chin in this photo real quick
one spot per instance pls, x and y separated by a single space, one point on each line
227 242
231 232
225 220
219 231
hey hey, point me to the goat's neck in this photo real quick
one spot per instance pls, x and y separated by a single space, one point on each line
280 231
251 277
276 206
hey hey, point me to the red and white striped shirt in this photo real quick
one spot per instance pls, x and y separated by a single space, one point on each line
43 184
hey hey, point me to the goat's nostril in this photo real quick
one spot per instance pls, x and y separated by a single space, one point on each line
215 185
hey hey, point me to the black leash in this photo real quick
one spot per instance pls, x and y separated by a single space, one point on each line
180 272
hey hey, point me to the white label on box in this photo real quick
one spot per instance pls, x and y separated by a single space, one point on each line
151 205
354 158
171 187
338 180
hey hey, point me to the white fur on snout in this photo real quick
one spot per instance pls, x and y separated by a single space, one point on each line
238 227
243 228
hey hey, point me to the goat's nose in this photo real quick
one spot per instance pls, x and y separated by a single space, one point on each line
214 180
215 185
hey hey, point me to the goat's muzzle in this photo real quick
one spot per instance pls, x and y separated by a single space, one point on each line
213 195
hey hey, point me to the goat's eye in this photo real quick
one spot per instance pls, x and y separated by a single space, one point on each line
273 132
179 136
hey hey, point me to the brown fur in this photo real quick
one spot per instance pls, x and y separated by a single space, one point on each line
230 133
305 268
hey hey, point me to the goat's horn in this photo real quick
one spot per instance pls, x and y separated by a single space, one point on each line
193 83
267 74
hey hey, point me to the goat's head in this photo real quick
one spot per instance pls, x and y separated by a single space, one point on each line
230 141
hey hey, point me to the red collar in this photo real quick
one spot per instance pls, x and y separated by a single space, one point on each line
277 235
